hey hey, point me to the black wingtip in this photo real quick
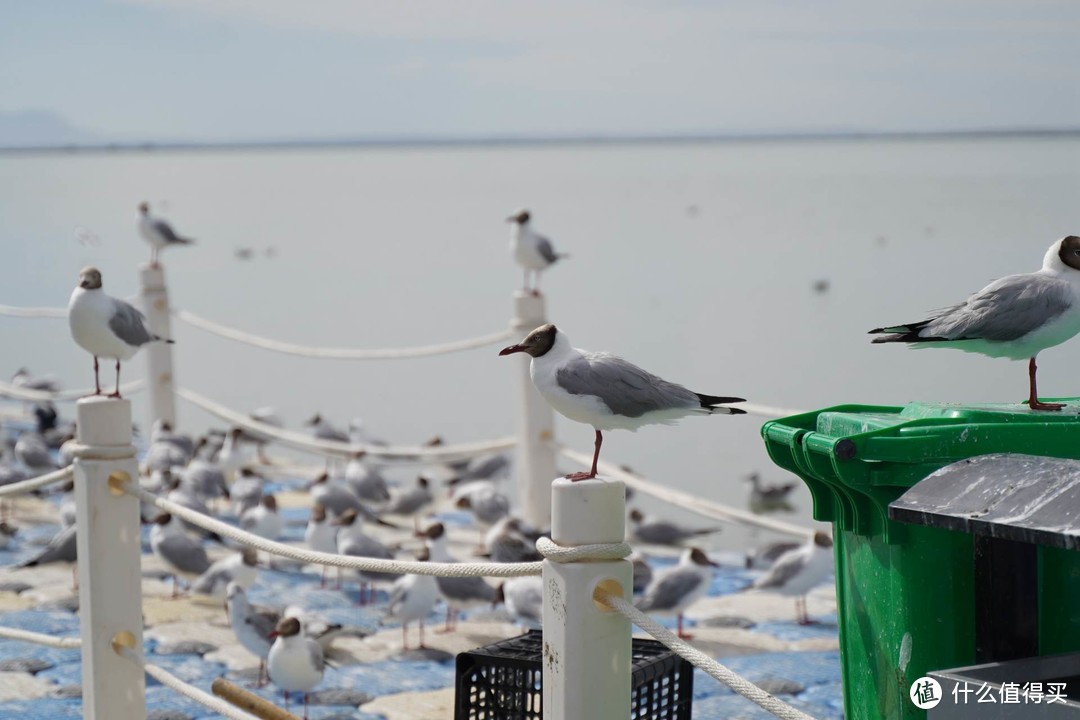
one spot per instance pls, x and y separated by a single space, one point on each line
736 411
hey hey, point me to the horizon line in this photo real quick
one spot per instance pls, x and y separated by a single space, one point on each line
435 141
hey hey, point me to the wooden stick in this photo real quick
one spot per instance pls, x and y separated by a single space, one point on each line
249 702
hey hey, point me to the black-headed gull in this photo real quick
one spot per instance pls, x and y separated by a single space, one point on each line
1015 317
104 326
765 498
352 540
661 532
799 571
251 626
524 600
459 592
605 391
673 590
181 553
158 233
295 662
239 568
412 598
532 251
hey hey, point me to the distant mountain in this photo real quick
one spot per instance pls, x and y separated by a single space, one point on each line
27 128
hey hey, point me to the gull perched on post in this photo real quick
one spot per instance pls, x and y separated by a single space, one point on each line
105 326
158 233
605 391
1015 317
532 251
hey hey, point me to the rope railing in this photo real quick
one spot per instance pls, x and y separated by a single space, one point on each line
699 505
698 659
337 353
187 690
299 441
33 312
25 486
26 394
61 643
351 562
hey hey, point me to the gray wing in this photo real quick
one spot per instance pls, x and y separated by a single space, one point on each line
62 548
212 581
465 589
661 533
670 590
786 567
129 324
543 246
185 554
1006 309
511 548
315 653
624 387
165 230
263 622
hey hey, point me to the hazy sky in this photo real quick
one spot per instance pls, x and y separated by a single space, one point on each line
248 69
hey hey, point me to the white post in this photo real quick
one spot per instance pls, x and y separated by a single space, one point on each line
110 576
535 423
586 661
159 376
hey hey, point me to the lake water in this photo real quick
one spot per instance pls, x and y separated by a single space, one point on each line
695 261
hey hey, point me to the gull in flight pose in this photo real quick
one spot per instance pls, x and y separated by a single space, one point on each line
605 391
1014 317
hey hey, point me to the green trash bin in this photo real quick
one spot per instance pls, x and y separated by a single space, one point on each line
905 593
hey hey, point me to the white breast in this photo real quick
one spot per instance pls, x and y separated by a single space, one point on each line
523 246
290 667
89 312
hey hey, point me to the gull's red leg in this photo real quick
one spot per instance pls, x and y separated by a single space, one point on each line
574 477
1033 396
97 379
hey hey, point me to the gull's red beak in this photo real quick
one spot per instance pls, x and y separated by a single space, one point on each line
273 634
511 350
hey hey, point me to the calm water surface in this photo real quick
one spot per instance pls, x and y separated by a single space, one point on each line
695 261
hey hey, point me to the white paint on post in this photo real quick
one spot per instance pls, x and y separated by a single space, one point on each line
160 379
586 661
535 422
110 575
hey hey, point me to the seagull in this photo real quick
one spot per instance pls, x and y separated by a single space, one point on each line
367 482
203 477
321 536
505 542
295 661
333 495
61 548
764 498
524 600
487 506
238 568
463 592
409 502
264 519
7 534
322 430
266 416
33 452
167 448
247 491
675 589
763 557
643 572
351 540
158 233
252 627
23 379
662 532
1015 317
605 391
412 598
532 251
180 552
799 571
105 326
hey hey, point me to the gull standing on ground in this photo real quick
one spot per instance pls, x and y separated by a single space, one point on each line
62 547
295 661
351 540
605 391
321 536
33 452
674 590
532 251
333 495
506 542
765 498
799 571
412 598
252 627
181 553
460 593
1015 317
246 491
662 532
238 568
322 430
524 600
367 482
264 519
410 502
104 326
158 233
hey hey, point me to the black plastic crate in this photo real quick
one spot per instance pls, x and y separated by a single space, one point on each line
502 681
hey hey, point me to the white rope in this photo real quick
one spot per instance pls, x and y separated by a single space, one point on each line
24 486
699 505
739 684
582 553
189 691
33 312
63 643
437 569
329 447
767 410
17 393
339 353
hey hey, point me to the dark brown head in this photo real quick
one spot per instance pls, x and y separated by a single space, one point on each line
346 518
315 419
90 278
163 519
1069 252
422 481
358 455
520 217
463 503
144 207
822 540
434 442
270 503
432 531
249 557
700 558
286 627
318 513
423 555
536 343
323 478
500 594
636 516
